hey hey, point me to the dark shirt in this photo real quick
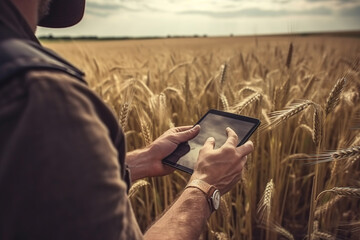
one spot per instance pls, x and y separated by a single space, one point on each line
62 157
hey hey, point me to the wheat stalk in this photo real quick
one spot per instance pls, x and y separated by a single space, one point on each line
207 87
275 227
172 70
279 229
300 156
289 56
309 85
307 129
224 208
333 98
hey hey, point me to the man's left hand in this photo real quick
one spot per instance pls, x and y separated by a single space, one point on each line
147 162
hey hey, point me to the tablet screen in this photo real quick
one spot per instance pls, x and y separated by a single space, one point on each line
214 125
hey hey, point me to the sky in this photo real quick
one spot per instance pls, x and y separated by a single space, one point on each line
141 18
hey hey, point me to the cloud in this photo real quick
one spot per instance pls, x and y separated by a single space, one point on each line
258 12
226 8
106 8
351 12
341 1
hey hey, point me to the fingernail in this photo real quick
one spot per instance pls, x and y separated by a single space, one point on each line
211 139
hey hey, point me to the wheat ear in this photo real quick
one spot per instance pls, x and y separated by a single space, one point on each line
342 191
136 187
145 130
325 207
219 235
323 235
352 152
280 116
334 95
223 74
124 114
264 208
345 153
317 125
247 101
224 102
351 161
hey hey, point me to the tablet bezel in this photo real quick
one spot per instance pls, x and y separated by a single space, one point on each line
225 114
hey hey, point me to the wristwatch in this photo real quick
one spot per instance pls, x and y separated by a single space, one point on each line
211 192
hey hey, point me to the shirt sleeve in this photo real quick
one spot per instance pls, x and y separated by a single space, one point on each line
68 176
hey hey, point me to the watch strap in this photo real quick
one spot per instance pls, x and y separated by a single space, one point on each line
206 188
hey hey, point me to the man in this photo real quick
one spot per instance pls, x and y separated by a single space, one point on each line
62 155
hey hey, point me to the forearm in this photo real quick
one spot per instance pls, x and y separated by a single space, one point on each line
184 220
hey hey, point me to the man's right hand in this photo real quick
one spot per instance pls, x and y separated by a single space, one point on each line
222 167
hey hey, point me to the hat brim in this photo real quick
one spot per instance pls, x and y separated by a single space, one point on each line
63 13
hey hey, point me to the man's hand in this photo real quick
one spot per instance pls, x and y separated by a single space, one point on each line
147 162
222 167
219 167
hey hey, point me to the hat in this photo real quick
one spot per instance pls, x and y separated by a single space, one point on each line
63 13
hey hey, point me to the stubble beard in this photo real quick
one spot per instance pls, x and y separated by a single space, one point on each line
43 9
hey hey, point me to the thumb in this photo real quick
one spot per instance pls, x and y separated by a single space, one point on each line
188 134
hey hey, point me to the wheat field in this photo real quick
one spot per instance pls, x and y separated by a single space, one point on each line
303 179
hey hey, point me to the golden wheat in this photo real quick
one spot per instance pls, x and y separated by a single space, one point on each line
168 83
334 95
264 207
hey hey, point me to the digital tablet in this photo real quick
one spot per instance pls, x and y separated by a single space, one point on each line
213 124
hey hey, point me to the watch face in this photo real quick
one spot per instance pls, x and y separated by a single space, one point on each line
216 199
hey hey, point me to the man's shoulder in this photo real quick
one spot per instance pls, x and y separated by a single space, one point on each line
20 56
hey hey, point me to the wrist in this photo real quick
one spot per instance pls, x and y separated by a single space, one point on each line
137 162
211 193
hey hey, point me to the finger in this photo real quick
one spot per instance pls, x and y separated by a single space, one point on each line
183 128
209 144
246 148
232 137
186 135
